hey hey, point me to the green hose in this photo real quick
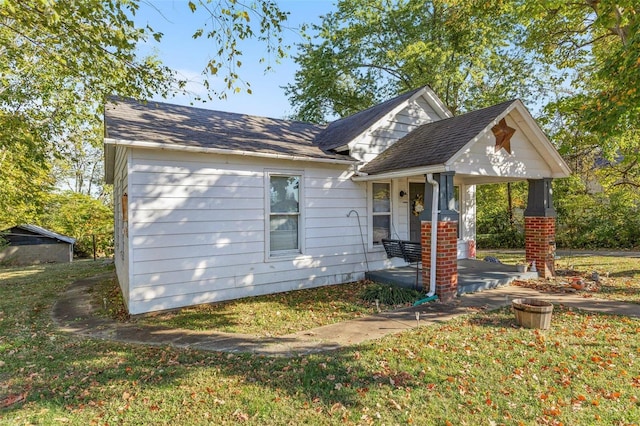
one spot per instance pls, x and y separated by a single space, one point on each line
425 300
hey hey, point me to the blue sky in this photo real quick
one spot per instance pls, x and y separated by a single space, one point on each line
181 52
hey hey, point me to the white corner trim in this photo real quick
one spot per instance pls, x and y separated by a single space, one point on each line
436 102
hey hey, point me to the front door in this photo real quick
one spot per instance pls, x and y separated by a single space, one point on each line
416 205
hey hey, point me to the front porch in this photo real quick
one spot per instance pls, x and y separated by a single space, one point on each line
423 190
473 275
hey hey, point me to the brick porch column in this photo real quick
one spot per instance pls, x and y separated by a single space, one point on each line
539 244
446 258
540 227
447 248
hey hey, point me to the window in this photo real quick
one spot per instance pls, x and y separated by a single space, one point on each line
284 214
381 208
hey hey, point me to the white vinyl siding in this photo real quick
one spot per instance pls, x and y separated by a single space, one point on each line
481 161
121 227
373 143
198 229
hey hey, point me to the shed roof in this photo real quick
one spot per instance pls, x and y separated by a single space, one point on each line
44 232
435 143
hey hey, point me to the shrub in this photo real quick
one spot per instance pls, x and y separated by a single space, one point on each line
390 295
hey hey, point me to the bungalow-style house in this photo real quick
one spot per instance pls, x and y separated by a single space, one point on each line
31 244
213 206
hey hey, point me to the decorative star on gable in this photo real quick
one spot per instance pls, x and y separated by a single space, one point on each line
503 135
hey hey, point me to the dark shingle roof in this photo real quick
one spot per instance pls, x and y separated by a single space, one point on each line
34 229
435 143
172 125
343 131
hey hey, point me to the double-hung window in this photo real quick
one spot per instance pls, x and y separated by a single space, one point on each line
284 214
381 208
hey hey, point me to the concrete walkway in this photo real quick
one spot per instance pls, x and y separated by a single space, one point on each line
74 313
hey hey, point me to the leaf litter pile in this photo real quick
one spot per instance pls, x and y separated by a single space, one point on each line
616 278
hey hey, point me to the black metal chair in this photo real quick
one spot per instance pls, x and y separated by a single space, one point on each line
413 254
410 251
393 248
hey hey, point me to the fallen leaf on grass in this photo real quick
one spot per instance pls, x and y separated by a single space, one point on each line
10 400
394 404
239 415
335 407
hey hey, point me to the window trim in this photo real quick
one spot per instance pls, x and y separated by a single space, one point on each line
283 254
370 243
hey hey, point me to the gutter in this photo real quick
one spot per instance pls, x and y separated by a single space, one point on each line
434 234
431 295
364 177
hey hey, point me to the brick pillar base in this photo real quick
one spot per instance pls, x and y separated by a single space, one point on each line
446 258
539 243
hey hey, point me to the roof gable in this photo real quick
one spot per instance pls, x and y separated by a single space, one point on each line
434 143
341 132
447 145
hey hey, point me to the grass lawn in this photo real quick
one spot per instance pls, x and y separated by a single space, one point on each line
270 315
619 275
475 370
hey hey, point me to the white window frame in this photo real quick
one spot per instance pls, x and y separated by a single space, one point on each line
283 254
371 243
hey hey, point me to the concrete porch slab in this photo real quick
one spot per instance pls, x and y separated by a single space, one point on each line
473 276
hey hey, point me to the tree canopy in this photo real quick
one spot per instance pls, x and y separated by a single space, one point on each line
60 61
369 50
577 63
595 114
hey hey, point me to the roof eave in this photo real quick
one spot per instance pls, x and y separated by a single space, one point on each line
487 128
47 233
208 150
396 174
563 168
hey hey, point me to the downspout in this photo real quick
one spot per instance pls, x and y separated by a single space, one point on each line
431 295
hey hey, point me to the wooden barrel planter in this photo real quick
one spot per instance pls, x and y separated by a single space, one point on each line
532 313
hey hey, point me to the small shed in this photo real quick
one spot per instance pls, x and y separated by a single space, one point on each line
31 244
